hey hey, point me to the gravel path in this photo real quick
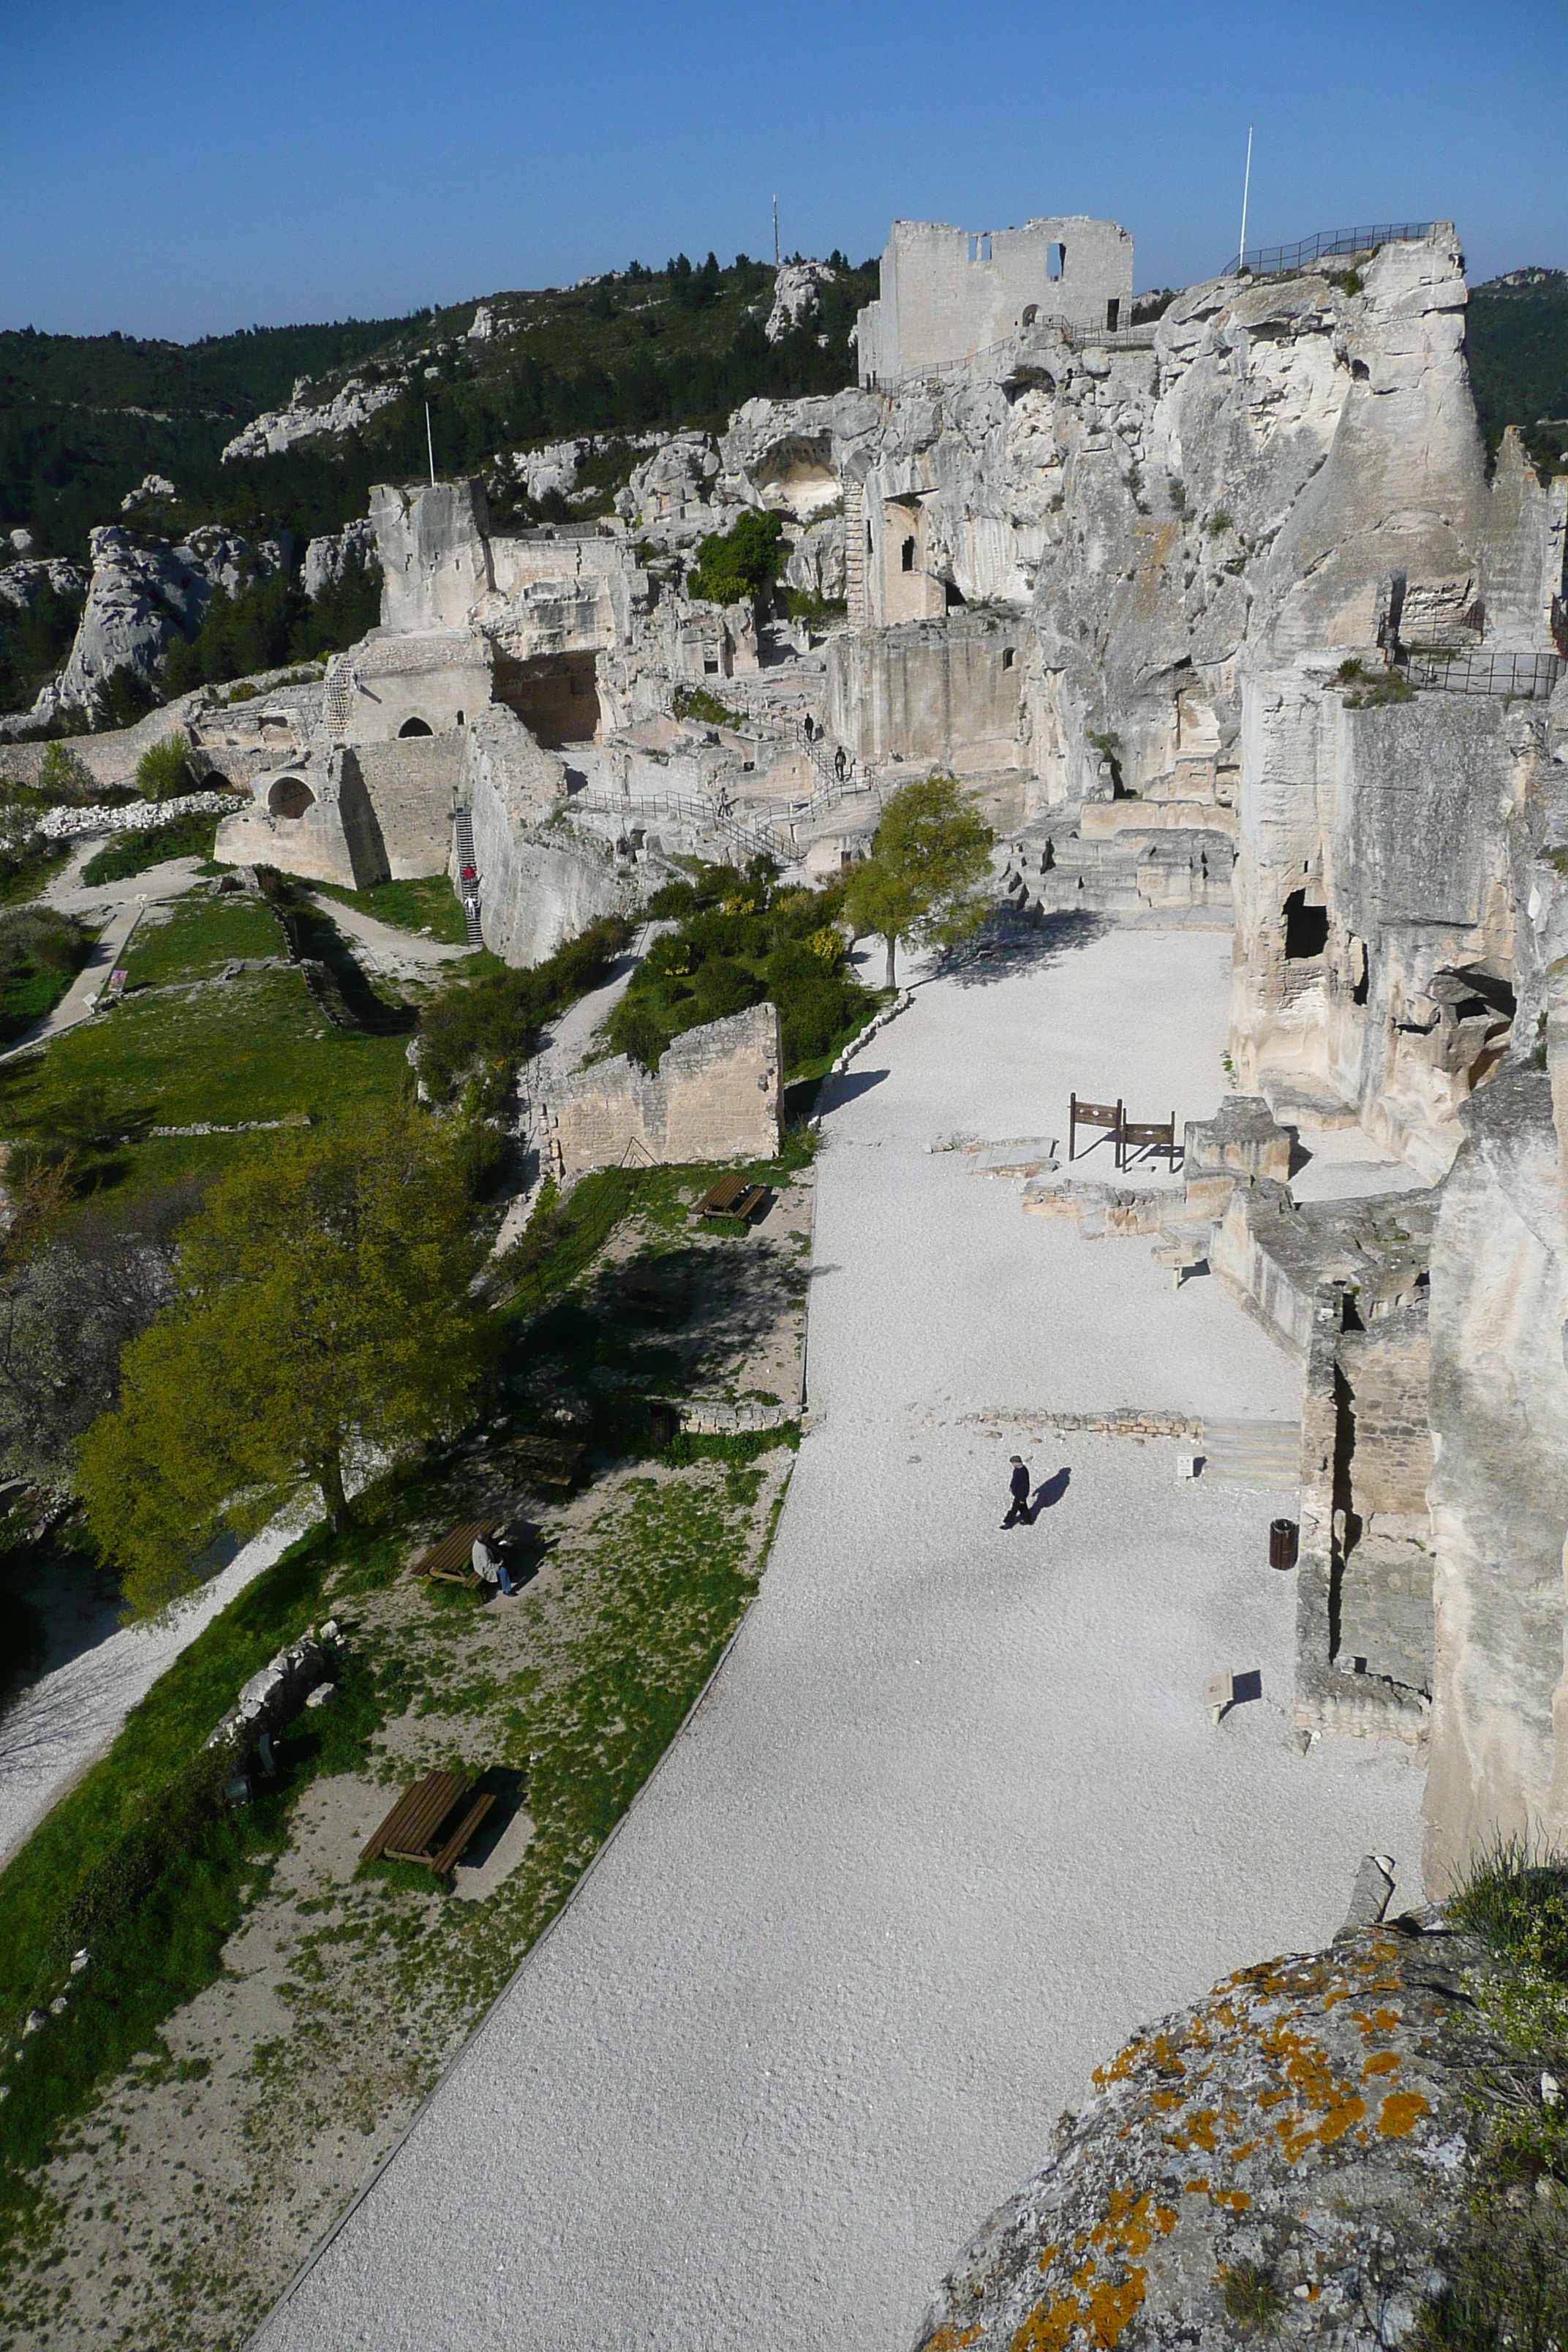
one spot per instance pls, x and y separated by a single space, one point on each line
952 1819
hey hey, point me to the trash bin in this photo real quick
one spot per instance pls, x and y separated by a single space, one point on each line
1283 1540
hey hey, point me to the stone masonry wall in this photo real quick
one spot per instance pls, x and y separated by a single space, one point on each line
411 787
717 1095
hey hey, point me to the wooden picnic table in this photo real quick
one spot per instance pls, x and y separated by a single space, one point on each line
433 1822
546 1461
731 1196
450 1561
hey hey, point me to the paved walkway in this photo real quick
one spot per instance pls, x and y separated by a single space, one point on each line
953 1819
80 1000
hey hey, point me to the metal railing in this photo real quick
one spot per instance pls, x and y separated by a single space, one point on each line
1530 676
1270 260
761 839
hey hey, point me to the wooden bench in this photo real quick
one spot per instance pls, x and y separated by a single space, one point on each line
1146 1135
1088 1114
433 1824
450 1561
732 1196
546 1461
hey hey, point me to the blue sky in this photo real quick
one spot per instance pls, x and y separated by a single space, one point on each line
172 168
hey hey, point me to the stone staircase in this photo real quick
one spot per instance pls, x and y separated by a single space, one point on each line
463 826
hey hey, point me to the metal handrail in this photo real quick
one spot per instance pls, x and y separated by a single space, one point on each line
1532 676
1270 260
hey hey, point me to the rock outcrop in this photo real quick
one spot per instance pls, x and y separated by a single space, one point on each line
140 597
345 411
1290 2158
336 556
794 295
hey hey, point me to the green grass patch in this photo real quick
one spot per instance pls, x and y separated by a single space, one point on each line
258 1048
191 836
737 1449
429 904
199 938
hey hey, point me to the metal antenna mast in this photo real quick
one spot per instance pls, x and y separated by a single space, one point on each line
776 232
1246 192
430 444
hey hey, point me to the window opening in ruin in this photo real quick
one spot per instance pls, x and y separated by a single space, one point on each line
1030 315
1112 312
1361 972
907 555
710 666
867 539
1056 261
1306 929
952 595
1008 656
414 727
290 796
459 718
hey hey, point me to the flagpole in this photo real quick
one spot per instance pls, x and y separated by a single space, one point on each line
1246 192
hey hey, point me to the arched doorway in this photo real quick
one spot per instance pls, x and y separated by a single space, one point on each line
415 726
290 796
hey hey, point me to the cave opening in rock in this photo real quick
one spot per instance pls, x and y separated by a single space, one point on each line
1306 929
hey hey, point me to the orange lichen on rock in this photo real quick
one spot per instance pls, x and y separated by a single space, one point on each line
949 2338
1400 2112
1382 2061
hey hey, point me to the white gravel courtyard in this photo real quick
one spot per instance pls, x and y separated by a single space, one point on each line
952 1821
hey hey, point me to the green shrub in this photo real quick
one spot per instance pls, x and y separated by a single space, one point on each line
489 1026
161 772
62 775
734 564
1219 523
696 702
817 612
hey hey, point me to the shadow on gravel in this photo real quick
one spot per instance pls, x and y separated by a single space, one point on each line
1050 1492
1010 945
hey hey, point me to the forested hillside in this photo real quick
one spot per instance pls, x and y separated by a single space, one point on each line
83 421
1518 345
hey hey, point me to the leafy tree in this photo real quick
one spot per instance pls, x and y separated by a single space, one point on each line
739 563
919 883
320 1310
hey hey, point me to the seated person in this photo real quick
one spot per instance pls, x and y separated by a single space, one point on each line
489 1562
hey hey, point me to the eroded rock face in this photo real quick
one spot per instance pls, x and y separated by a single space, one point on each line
1499 1494
141 597
304 420
794 295
539 886
331 558
1308 2121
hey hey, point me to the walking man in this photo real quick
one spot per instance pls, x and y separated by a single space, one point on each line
1019 1487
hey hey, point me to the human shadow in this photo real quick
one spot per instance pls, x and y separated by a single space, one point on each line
1049 1492
1009 944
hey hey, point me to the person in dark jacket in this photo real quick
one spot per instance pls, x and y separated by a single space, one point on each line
1020 1485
